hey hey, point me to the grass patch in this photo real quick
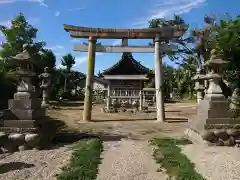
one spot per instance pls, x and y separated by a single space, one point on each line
84 161
177 165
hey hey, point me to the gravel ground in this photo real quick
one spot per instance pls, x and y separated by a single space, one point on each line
33 164
129 160
215 163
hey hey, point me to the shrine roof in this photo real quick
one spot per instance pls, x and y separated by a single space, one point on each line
127 65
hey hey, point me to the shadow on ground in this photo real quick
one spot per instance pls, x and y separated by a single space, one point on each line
176 120
65 136
168 120
11 166
123 120
67 103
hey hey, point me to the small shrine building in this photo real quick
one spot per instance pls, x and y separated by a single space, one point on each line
126 79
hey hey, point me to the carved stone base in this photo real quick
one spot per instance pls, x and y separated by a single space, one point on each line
14 139
216 137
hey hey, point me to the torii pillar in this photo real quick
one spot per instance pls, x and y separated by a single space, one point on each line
159 81
87 113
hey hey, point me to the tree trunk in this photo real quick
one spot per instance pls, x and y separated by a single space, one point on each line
65 84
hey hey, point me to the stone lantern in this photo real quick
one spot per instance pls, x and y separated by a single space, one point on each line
199 87
24 71
215 66
24 122
214 122
46 82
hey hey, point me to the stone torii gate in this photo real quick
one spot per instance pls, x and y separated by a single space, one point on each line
158 35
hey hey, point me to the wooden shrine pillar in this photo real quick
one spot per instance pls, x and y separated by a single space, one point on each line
159 81
141 96
87 113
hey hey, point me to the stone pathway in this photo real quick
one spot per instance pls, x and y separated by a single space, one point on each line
215 163
129 160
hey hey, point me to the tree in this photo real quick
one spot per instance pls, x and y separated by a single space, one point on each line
67 61
182 43
20 33
227 43
48 59
203 41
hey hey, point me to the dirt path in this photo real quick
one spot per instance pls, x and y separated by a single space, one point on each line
130 156
139 125
128 160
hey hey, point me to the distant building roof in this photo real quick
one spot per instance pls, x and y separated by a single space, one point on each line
95 78
127 65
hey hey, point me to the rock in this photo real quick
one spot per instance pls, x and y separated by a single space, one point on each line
233 132
220 142
103 110
32 140
222 134
122 109
229 142
9 146
16 138
3 138
209 136
135 110
22 147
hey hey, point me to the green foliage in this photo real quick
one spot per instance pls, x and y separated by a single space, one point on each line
182 42
58 90
178 80
68 61
7 84
227 43
19 33
169 155
84 162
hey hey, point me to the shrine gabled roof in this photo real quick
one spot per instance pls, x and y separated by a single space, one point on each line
127 65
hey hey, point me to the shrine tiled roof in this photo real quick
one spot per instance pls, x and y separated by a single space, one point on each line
127 65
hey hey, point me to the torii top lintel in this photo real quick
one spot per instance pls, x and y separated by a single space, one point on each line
113 33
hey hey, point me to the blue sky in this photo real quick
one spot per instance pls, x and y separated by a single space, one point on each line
50 15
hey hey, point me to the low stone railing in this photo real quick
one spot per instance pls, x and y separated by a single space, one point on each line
11 142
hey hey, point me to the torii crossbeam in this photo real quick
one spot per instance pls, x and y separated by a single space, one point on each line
119 49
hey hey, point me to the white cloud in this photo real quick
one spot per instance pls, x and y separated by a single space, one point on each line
40 2
6 23
76 9
170 8
57 13
82 59
116 42
57 47
76 40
